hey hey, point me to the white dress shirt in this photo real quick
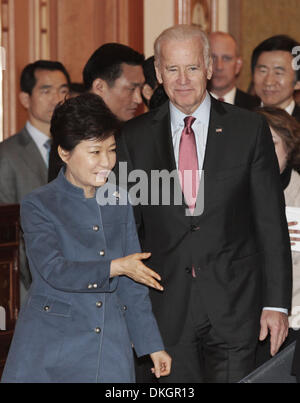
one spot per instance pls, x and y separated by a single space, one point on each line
289 109
40 139
200 128
229 97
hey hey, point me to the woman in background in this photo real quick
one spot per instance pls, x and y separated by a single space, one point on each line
86 307
285 132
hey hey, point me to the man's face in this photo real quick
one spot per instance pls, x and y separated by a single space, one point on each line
124 97
51 88
226 63
274 78
183 73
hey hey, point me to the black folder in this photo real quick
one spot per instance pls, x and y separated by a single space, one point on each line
276 370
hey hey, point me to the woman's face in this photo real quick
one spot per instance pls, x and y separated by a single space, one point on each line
280 150
89 164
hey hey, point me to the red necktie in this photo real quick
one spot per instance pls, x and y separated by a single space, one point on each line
188 163
221 99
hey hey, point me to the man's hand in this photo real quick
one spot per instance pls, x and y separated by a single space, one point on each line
278 325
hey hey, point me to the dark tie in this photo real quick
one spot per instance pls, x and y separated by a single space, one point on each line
221 99
188 163
47 145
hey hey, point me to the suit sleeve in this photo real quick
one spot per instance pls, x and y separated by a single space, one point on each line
270 221
45 255
7 180
141 322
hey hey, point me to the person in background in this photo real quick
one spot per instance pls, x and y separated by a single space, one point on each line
286 138
151 82
24 156
227 64
115 73
86 306
275 80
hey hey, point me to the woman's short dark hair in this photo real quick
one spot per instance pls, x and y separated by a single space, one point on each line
84 117
288 129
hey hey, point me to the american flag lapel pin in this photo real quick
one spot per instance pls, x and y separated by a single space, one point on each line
219 130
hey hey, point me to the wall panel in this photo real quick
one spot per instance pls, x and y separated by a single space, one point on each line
64 30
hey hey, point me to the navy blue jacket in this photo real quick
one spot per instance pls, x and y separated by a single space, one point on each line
78 325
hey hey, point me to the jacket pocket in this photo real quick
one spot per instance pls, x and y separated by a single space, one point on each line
50 305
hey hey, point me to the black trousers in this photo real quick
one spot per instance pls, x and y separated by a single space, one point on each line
202 355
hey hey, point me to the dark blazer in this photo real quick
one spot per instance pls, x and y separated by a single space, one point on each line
78 325
22 169
244 100
296 112
240 239
55 164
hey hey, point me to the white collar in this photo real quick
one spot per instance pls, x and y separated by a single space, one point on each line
202 113
289 109
229 97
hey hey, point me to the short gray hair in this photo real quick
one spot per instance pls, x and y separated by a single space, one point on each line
179 33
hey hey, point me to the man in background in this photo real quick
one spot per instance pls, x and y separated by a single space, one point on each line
24 156
227 64
115 73
274 77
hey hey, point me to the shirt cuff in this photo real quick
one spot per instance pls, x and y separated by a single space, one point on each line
283 310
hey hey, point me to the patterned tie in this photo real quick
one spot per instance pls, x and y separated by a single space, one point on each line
47 145
188 163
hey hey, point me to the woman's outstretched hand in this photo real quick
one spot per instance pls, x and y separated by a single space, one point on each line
133 267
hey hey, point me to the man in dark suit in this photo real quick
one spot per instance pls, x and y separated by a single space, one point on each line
227 64
226 270
24 156
274 77
115 73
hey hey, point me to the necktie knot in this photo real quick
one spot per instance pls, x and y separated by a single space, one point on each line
188 122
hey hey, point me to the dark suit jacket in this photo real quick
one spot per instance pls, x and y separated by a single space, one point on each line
22 169
55 164
296 112
244 100
239 245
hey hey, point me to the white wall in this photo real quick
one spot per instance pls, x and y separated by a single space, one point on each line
158 15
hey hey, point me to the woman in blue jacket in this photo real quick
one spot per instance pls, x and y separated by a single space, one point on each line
86 308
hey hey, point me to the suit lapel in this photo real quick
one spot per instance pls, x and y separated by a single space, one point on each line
32 156
161 131
215 146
